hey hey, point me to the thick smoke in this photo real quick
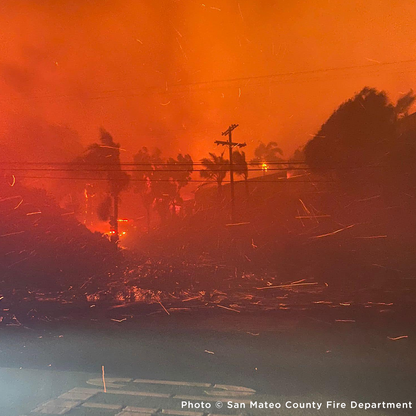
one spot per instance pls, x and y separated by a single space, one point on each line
136 67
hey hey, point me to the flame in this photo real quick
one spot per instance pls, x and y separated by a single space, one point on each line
264 167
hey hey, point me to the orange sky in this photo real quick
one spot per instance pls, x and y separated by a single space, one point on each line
86 64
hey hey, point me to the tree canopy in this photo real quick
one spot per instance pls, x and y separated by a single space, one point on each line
159 181
215 167
269 152
354 141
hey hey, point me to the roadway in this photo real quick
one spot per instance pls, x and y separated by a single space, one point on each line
277 358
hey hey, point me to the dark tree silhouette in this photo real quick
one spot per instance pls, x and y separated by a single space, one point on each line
355 139
180 170
240 167
269 152
104 209
298 155
102 160
216 168
404 103
400 170
160 181
146 165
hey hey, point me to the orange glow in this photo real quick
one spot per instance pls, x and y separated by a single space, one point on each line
175 75
140 54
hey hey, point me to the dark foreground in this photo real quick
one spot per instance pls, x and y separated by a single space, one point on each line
282 356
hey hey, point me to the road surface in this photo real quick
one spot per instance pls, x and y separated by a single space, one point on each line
152 362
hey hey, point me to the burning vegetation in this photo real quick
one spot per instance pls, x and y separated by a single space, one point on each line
332 226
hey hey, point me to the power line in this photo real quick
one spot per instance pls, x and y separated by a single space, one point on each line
149 164
138 170
287 165
276 81
287 181
165 90
10 171
312 71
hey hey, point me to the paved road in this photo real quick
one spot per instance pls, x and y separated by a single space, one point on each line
287 360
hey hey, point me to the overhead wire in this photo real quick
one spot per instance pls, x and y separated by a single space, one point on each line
190 181
191 170
175 87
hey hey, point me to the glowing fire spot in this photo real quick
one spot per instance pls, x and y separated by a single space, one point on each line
264 167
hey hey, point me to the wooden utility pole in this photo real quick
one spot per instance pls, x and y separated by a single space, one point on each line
230 145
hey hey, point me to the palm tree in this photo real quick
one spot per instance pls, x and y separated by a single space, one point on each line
103 160
180 171
269 152
160 181
146 164
216 167
240 167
